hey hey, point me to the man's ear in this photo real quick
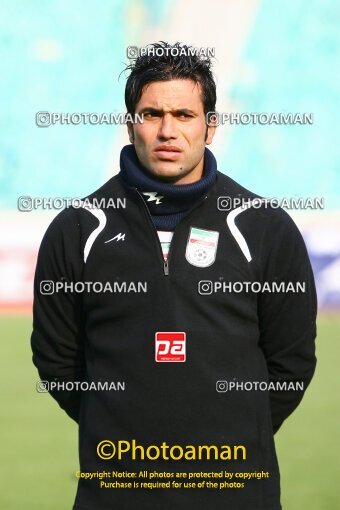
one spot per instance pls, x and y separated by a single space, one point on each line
209 135
130 131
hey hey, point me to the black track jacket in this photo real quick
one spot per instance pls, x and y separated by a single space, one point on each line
176 393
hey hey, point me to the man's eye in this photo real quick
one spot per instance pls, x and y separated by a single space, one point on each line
149 115
185 116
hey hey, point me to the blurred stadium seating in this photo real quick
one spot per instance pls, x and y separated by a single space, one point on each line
270 57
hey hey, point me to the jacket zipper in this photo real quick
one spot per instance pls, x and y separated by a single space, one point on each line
165 262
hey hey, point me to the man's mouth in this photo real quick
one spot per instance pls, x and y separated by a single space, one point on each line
167 152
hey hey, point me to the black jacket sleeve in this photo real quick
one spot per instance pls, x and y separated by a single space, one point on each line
287 320
58 331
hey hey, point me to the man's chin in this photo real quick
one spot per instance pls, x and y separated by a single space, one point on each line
167 172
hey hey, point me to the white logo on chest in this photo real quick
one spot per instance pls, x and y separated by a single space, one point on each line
201 247
118 237
153 196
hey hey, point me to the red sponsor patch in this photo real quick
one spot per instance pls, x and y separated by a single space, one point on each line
170 346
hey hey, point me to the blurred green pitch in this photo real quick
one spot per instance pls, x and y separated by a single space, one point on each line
39 442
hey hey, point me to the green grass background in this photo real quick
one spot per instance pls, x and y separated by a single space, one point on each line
39 442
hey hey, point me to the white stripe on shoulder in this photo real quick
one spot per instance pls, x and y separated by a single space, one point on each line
99 214
235 231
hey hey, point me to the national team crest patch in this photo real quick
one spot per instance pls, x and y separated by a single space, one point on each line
170 346
201 247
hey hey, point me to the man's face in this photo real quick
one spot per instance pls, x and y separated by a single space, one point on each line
170 142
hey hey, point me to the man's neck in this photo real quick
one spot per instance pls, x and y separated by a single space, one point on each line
167 203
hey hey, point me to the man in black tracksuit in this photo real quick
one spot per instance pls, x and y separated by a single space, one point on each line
174 327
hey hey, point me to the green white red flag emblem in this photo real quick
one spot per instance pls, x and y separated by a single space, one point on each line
201 247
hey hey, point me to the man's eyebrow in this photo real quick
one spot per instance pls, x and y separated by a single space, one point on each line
161 111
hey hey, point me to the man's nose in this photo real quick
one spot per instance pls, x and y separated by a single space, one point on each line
167 128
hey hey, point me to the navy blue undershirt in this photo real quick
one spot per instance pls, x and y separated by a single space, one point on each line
167 203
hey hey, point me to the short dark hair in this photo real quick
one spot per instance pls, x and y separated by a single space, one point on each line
168 64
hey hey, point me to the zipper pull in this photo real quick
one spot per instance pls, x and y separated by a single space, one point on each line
166 267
